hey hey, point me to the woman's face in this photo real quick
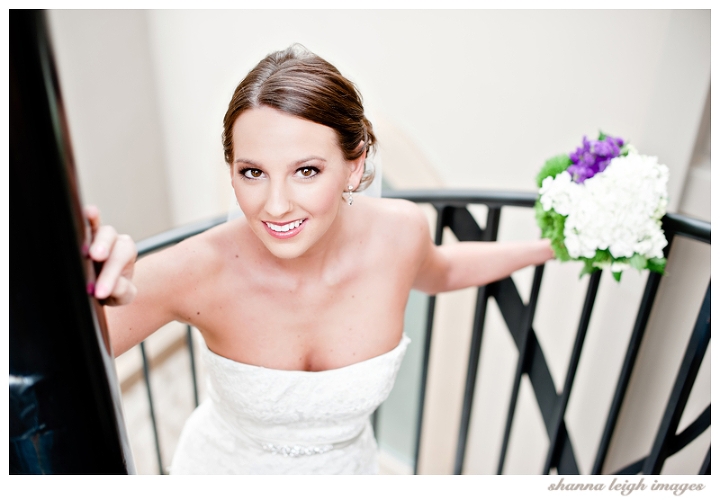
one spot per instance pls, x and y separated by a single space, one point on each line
288 175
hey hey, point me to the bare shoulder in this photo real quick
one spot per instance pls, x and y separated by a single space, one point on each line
169 283
177 270
199 252
401 222
391 212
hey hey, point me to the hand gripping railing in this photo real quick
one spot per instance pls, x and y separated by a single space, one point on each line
451 207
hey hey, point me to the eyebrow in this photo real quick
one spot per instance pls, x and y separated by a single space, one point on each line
299 162
309 158
243 160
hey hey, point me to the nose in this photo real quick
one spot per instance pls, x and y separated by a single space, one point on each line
278 201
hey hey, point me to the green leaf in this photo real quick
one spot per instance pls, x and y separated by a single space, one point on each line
638 262
602 256
657 265
617 275
552 226
588 267
553 166
601 136
544 220
561 252
557 237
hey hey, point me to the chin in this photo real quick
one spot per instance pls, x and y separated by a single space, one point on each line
286 252
287 249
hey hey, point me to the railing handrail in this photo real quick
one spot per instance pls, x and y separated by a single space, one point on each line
177 234
462 197
681 224
451 206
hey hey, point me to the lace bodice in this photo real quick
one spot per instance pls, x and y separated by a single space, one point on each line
261 420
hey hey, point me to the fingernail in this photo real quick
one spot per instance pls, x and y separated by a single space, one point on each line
100 291
84 249
99 251
91 288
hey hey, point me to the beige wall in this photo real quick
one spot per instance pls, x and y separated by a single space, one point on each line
108 85
487 95
481 99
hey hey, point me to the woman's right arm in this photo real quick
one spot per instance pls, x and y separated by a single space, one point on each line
139 297
152 307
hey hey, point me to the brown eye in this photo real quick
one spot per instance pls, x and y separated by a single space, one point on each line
307 172
252 173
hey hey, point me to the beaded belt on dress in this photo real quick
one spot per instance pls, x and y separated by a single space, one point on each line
299 450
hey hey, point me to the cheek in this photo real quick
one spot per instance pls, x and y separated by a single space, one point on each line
321 199
249 200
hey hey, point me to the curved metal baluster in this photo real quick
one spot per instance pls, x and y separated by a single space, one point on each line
146 375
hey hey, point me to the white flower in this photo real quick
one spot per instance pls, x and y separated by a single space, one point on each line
618 209
558 193
618 267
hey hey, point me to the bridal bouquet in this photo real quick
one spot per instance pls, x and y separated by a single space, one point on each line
602 205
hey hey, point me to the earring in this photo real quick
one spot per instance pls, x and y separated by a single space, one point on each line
350 196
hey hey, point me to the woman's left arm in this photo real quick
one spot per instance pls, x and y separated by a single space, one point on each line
471 264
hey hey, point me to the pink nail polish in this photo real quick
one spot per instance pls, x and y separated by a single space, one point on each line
84 249
91 288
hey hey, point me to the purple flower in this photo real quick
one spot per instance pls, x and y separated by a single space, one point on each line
593 157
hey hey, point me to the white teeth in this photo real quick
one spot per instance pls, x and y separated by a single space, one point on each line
285 228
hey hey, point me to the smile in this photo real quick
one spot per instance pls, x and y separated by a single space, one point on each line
285 230
286 227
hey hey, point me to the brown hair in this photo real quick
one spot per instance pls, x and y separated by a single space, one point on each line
299 83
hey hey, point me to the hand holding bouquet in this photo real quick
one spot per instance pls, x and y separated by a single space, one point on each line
602 205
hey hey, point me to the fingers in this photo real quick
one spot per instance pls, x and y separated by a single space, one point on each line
118 254
93 216
124 293
103 242
114 279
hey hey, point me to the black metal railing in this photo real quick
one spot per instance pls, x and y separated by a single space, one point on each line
452 212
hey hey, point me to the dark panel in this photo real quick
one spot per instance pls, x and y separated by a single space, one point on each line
64 403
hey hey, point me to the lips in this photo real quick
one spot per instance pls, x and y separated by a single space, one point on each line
285 229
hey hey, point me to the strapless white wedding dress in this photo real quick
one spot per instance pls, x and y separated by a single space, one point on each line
265 421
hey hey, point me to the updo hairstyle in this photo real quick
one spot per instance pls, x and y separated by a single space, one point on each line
297 82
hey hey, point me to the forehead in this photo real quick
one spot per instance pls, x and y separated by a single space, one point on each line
266 132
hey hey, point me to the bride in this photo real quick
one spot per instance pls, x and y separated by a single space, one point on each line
301 302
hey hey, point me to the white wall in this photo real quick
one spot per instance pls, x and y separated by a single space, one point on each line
485 97
106 79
